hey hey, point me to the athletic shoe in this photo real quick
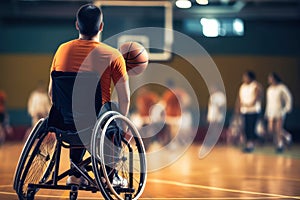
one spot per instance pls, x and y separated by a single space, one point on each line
119 182
73 180
288 139
248 149
279 149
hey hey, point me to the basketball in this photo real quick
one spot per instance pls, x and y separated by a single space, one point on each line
136 57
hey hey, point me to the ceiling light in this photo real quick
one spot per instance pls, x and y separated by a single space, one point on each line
210 27
183 4
202 2
238 26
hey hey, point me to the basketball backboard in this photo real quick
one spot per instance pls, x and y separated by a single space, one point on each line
132 21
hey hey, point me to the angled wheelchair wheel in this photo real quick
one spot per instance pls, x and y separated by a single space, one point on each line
36 162
27 148
119 160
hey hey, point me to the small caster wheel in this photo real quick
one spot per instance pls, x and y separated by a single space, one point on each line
128 197
30 194
74 192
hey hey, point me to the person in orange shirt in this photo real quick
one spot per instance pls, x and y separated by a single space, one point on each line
88 54
144 102
172 103
176 101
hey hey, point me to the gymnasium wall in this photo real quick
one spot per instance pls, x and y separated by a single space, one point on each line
27 48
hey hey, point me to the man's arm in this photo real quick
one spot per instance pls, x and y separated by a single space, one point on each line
123 91
288 99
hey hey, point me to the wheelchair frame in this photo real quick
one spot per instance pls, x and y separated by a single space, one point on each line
37 136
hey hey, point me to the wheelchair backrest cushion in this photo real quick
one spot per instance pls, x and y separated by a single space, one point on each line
76 98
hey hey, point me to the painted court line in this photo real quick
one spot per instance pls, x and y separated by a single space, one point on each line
210 198
264 195
220 189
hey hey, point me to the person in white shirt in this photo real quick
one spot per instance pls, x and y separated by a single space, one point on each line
38 105
249 106
216 107
278 104
215 116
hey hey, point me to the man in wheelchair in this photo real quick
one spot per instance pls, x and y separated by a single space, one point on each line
82 116
86 54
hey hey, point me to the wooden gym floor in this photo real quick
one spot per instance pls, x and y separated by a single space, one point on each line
225 174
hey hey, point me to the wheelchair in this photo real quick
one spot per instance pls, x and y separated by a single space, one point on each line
115 165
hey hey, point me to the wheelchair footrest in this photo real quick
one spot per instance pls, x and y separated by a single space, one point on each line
123 190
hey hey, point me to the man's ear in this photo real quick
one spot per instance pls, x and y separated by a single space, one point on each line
76 24
101 27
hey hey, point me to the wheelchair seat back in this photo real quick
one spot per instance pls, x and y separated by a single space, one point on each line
77 100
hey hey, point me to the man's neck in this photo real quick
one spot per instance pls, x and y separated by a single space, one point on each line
92 38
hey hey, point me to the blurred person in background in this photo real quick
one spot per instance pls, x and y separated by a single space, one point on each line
216 110
178 117
5 128
38 104
235 132
145 100
249 106
144 103
216 107
278 104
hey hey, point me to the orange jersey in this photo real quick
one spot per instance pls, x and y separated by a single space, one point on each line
176 100
144 102
87 55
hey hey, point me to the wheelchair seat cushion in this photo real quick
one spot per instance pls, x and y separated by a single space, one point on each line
74 138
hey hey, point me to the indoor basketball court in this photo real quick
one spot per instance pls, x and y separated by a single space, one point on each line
226 173
177 54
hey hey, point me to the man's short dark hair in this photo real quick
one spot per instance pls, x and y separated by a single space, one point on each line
89 19
251 75
276 77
